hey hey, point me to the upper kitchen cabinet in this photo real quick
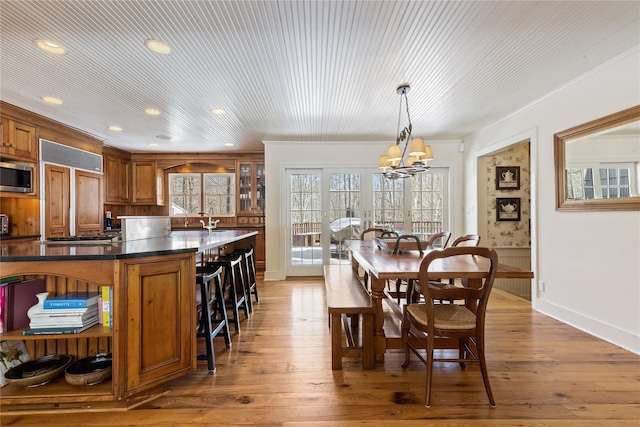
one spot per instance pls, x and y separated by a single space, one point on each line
18 140
89 216
117 178
147 183
250 186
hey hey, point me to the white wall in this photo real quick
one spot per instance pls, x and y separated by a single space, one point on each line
281 155
589 261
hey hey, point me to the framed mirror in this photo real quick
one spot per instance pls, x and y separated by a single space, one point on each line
597 164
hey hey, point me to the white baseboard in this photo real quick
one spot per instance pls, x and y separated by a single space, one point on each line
628 340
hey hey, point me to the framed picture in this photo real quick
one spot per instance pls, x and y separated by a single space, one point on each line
508 209
507 177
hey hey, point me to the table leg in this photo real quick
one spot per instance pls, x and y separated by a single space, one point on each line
379 339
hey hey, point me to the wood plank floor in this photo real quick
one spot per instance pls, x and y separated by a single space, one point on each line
278 373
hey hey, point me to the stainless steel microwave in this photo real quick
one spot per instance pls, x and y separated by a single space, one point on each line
16 177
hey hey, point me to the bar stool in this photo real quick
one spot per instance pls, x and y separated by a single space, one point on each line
212 312
234 281
250 275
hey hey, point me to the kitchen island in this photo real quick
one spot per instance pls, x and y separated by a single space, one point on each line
152 338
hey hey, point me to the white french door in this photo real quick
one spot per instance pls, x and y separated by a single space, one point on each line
326 207
304 250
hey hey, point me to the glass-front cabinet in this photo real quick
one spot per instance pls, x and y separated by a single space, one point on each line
251 187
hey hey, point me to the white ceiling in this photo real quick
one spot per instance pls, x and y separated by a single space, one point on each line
298 70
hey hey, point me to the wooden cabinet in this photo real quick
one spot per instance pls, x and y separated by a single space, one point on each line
19 140
160 320
259 251
250 186
117 179
58 200
152 340
148 183
89 202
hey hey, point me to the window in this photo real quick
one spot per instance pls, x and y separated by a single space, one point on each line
388 203
580 184
615 183
428 208
196 193
614 180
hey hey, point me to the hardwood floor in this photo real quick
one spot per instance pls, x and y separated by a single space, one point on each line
278 373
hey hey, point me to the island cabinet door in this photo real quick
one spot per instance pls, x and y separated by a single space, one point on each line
160 320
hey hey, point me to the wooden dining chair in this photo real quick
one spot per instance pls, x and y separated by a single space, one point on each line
423 323
436 241
467 240
368 235
439 240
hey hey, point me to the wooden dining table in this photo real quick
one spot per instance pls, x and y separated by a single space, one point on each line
382 265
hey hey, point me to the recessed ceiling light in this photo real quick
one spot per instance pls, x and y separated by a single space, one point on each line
153 144
152 111
52 100
218 111
163 137
115 128
158 47
228 144
51 47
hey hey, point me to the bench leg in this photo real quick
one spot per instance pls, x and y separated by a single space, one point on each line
336 341
367 341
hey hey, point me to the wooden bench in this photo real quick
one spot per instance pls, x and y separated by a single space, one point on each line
346 296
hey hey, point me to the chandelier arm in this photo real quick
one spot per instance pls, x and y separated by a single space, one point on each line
404 150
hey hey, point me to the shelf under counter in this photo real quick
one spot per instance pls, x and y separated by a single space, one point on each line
97 331
61 390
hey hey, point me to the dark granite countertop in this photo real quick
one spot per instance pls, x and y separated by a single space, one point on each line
177 242
7 237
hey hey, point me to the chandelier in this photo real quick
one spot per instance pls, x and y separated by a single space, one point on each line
399 163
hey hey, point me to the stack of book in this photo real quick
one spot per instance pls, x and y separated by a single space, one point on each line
65 314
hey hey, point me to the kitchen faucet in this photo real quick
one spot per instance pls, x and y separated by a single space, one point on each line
212 222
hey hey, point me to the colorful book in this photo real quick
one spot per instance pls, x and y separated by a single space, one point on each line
106 305
67 312
59 330
59 323
64 311
64 319
111 306
12 353
71 300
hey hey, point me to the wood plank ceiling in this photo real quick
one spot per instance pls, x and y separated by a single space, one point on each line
298 70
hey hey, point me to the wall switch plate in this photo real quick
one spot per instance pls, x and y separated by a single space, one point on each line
541 286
